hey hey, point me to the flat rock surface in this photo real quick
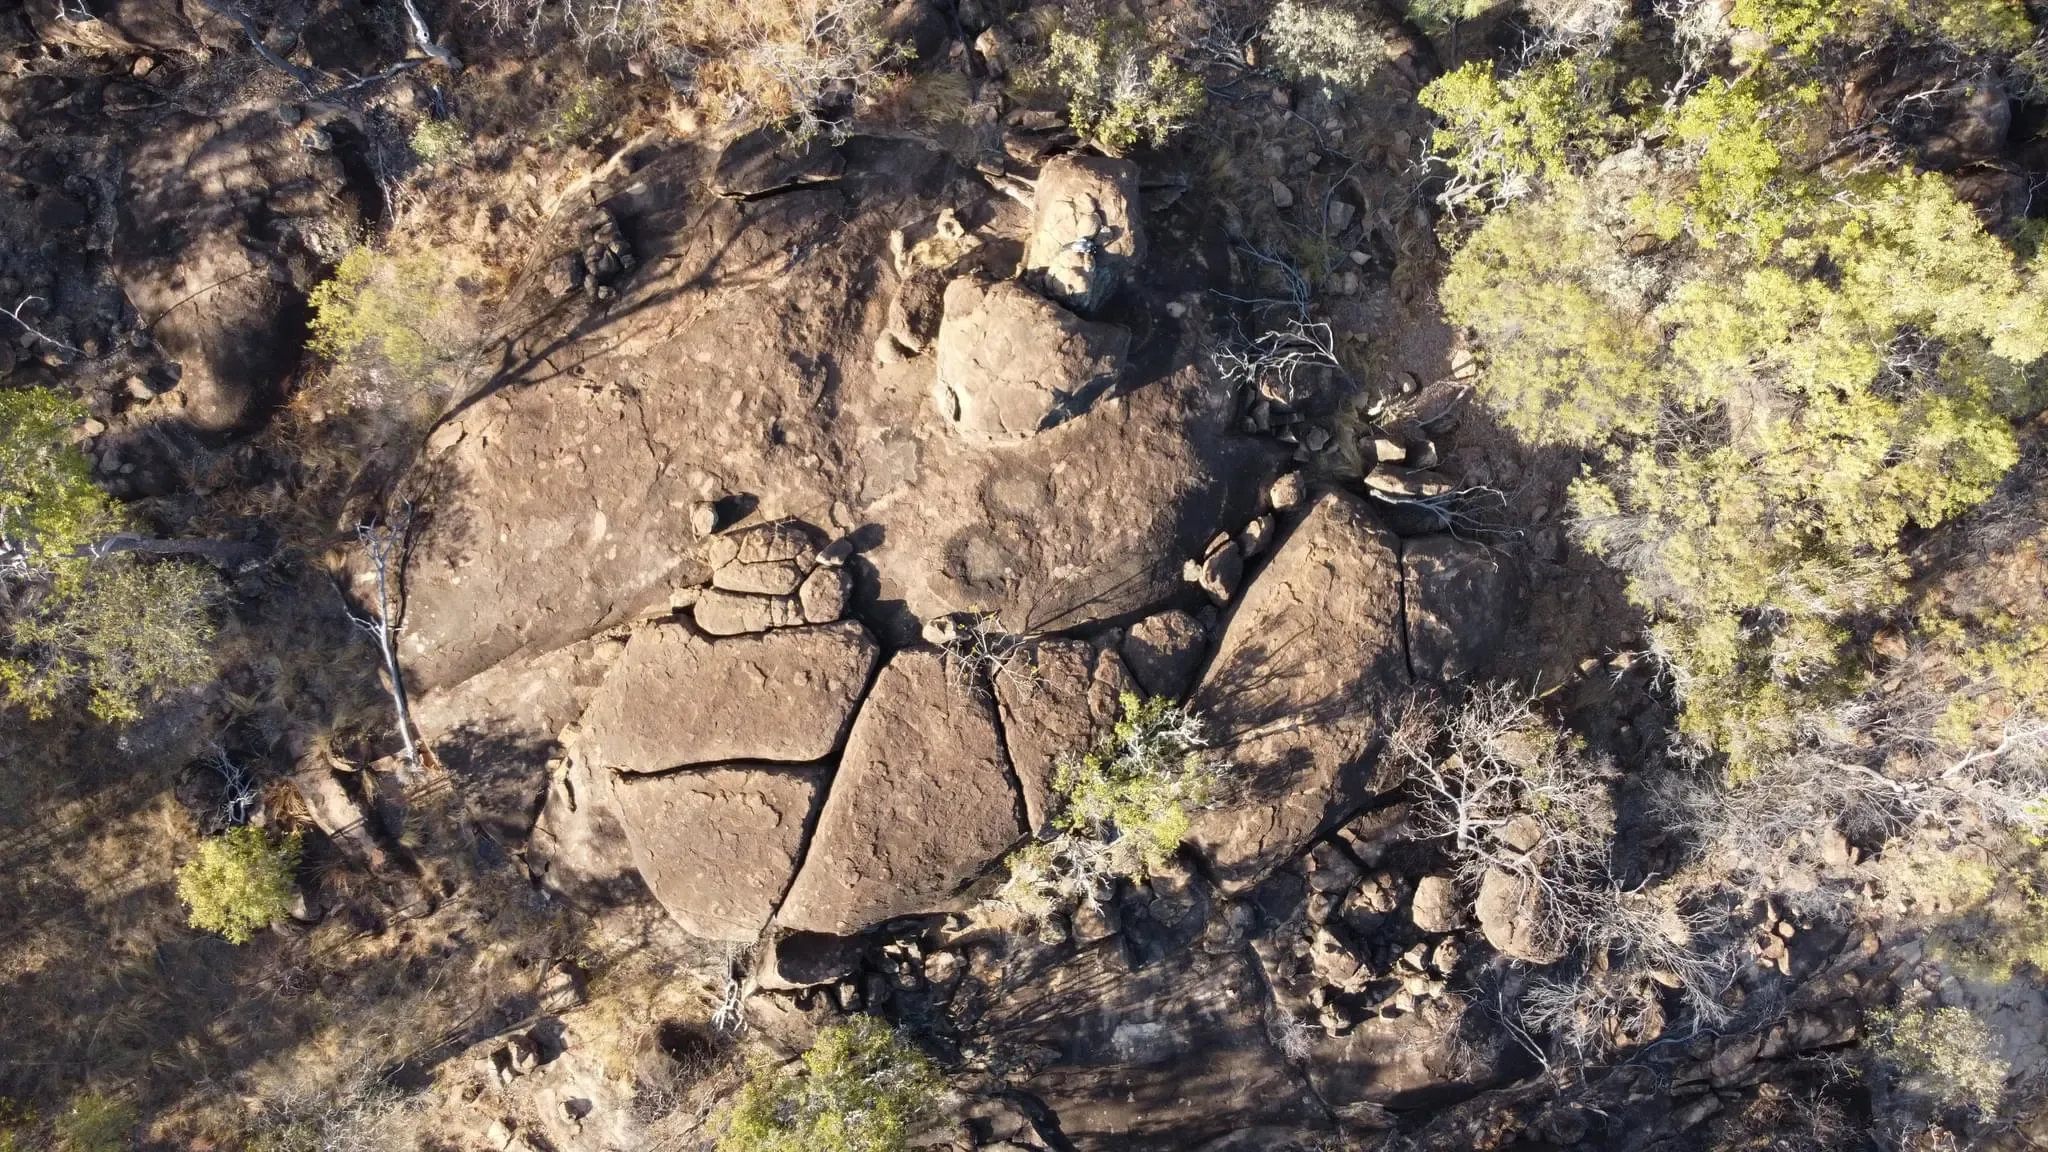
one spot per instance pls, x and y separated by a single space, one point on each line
922 803
1012 364
1159 1059
736 367
1461 595
1308 656
1060 698
677 698
718 846
578 847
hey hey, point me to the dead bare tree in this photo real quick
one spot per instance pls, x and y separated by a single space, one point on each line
384 547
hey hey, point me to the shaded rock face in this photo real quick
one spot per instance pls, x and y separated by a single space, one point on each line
923 802
1061 698
1012 364
718 846
675 698
1160 1058
736 366
1510 915
1308 656
579 847
1087 230
1164 652
1460 598
257 216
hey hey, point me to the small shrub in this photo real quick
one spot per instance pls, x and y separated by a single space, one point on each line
96 1123
240 882
384 306
861 1088
1121 90
439 141
1333 44
1949 1051
49 506
1437 14
1120 810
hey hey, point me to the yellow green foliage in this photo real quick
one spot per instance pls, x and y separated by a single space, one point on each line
1802 27
1770 414
382 305
1949 1051
49 506
439 141
122 630
1502 138
1121 90
240 882
1335 43
96 1122
861 1088
1141 784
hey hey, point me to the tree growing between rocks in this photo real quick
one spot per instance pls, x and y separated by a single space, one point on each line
1122 809
860 1088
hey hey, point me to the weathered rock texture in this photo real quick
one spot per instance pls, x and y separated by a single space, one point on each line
1309 655
1013 364
1460 597
579 847
676 698
1162 1058
736 368
1164 651
922 803
1087 230
718 846
1060 698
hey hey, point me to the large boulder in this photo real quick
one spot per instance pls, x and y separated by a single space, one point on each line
1154 1060
1511 915
1164 651
1309 655
717 847
578 847
1012 363
1057 700
224 226
1460 597
735 371
922 803
1087 230
676 698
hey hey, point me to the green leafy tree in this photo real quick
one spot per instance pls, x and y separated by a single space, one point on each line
861 1088
1335 44
1778 369
116 628
1502 138
240 882
1121 90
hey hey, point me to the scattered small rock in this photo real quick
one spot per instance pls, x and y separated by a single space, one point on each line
1283 197
703 516
1219 575
824 594
1256 536
1288 492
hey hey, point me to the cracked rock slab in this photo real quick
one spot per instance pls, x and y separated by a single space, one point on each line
922 803
676 698
1012 363
1308 657
1062 697
717 847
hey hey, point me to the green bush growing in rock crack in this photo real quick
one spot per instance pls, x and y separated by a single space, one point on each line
240 882
1121 809
1120 89
1948 1052
861 1088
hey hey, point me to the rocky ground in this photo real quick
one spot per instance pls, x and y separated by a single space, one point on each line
799 511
